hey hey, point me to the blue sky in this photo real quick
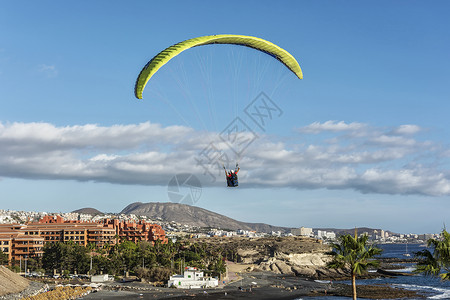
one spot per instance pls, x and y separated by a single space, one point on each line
362 140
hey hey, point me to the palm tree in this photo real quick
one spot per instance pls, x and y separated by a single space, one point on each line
354 254
438 262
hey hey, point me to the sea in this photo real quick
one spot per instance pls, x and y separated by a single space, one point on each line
430 287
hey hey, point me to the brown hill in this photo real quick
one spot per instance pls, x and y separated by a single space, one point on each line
11 282
88 211
194 216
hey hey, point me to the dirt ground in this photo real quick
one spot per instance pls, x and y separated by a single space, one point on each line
238 268
11 282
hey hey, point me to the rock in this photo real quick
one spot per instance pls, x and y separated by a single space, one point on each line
332 274
247 256
282 255
284 268
274 268
264 267
304 271
318 259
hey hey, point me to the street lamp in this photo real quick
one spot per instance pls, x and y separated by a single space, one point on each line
26 265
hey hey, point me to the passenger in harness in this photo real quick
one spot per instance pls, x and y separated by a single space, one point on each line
232 178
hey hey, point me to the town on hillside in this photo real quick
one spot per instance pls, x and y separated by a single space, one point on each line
123 223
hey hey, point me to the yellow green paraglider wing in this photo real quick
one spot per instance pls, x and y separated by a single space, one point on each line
249 41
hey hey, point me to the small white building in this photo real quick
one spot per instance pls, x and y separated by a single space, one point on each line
102 278
191 279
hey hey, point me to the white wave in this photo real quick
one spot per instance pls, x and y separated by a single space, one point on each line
405 270
443 293
322 281
414 286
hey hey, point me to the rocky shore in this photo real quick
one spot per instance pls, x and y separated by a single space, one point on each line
370 291
300 256
32 289
297 255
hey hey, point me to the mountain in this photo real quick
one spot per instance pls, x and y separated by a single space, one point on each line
200 217
88 211
194 216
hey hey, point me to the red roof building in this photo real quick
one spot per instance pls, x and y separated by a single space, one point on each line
19 241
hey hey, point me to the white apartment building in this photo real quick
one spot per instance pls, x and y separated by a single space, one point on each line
322 234
304 231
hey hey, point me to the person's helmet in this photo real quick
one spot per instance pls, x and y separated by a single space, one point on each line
231 171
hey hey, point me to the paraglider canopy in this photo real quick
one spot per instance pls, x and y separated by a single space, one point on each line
249 41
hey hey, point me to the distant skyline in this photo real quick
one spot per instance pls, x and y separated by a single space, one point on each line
361 141
95 215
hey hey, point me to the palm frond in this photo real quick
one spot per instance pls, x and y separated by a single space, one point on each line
437 262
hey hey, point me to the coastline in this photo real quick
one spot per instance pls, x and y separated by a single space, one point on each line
259 284
268 286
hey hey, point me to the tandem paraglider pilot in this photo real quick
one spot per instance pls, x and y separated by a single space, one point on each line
232 178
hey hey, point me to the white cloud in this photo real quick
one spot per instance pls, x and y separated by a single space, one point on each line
332 126
405 181
369 159
88 136
406 130
393 141
48 70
